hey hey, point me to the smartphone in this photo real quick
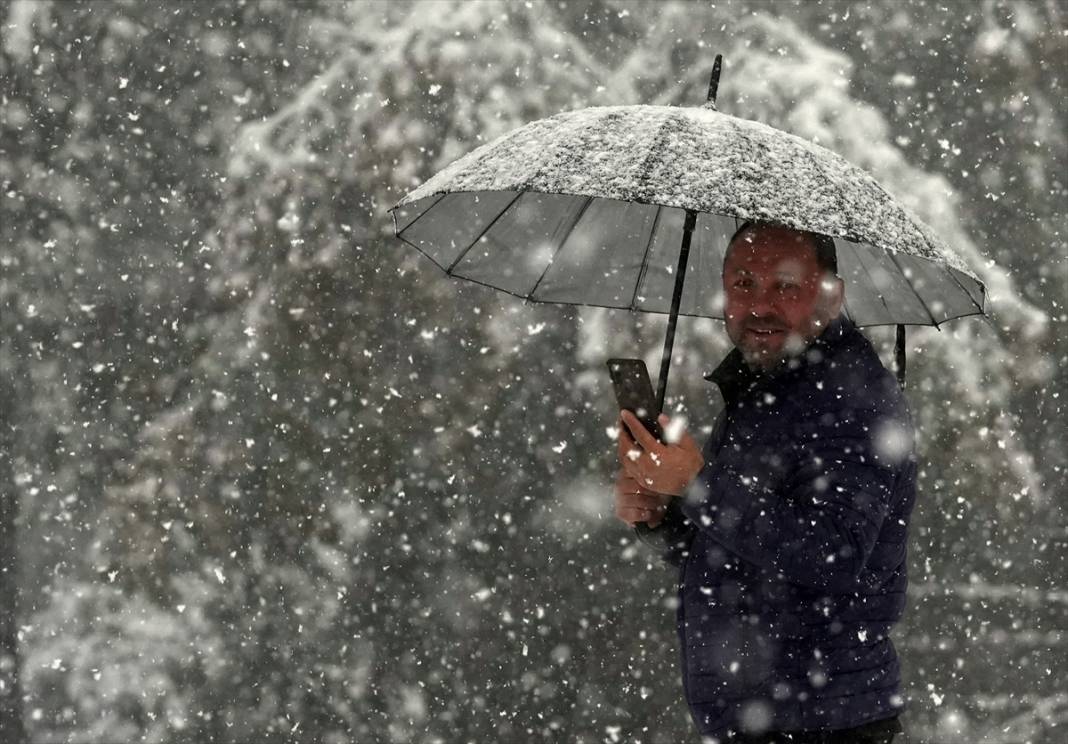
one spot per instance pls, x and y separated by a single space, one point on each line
634 392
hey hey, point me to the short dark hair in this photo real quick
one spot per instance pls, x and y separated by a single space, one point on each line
826 255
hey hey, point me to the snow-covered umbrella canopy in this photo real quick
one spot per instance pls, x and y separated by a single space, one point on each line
589 207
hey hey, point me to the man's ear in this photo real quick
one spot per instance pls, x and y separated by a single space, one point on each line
832 293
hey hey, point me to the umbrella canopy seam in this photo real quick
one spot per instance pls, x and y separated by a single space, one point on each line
563 241
908 281
493 222
652 154
645 257
982 310
875 287
410 224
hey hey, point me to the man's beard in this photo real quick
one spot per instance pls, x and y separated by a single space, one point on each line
764 359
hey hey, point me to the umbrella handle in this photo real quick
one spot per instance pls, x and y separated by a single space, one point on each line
641 529
899 355
713 81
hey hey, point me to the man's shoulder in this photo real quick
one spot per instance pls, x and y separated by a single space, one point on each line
850 379
865 375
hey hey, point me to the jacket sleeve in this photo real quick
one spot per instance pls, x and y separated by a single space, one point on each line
810 511
672 537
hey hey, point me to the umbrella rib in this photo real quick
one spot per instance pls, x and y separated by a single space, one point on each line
653 153
421 251
948 269
643 266
874 286
567 234
393 212
965 291
934 249
847 311
908 281
493 222
579 304
850 233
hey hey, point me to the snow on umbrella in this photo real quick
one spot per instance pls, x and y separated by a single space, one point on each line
632 207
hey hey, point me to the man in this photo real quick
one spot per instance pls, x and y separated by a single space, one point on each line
790 527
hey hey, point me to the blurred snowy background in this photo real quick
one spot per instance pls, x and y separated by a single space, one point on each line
267 475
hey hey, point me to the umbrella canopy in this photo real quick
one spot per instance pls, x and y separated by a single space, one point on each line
632 207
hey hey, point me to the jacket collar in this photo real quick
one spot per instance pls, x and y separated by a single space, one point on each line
733 375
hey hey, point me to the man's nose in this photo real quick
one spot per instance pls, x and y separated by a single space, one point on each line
762 304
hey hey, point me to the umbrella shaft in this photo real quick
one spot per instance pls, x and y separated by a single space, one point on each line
899 355
676 300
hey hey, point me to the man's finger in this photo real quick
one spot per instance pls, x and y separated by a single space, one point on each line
629 452
645 440
630 500
628 483
623 440
633 467
675 432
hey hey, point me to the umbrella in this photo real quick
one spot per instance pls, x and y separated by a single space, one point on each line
632 207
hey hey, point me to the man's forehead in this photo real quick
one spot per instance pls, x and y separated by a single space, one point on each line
746 262
772 235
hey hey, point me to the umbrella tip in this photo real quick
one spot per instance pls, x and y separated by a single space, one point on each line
713 83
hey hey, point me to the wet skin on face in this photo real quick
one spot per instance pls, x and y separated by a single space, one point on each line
777 297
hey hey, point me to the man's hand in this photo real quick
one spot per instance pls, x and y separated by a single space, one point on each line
665 469
636 504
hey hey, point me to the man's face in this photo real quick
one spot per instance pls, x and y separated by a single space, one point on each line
777 298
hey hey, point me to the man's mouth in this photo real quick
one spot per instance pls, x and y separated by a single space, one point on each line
764 331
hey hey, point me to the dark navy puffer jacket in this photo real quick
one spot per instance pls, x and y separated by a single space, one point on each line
791 544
